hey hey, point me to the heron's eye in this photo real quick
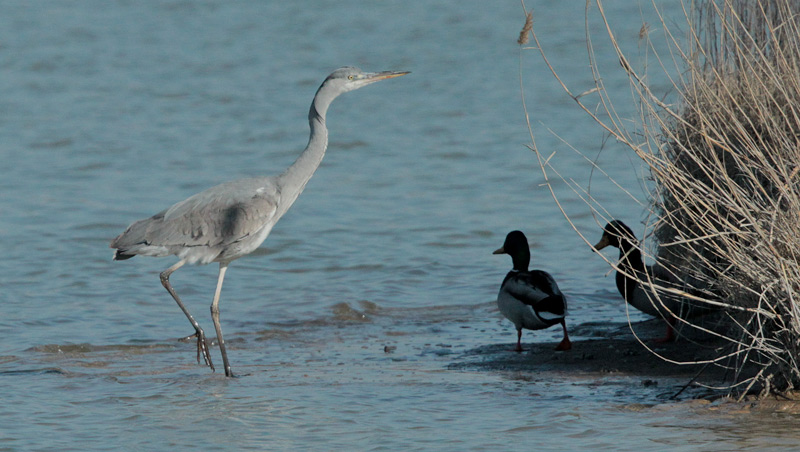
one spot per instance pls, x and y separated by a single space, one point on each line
351 77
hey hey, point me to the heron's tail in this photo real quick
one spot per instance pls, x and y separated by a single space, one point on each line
126 243
121 255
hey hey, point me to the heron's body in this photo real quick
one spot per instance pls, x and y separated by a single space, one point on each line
220 224
232 219
530 299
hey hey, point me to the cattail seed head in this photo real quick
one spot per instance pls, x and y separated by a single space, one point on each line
523 35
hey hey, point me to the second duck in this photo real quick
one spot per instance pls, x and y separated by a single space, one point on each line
643 286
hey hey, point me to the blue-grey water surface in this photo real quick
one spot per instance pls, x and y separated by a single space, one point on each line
346 325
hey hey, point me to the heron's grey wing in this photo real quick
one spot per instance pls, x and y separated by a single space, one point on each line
218 216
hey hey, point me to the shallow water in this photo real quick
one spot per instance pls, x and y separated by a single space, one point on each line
357 324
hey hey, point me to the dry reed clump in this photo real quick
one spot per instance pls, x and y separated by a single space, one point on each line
726 166
727 179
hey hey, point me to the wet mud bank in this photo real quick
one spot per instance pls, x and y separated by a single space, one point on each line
603 350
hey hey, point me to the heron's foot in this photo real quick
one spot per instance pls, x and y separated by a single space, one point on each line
202 348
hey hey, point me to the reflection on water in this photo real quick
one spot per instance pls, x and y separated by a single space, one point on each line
359 323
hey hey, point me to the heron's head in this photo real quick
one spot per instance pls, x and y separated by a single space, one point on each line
615 234
349 78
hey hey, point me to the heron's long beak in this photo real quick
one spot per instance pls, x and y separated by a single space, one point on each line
601 244
376 76
500 250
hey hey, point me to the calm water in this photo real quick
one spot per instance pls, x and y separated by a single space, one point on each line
350 326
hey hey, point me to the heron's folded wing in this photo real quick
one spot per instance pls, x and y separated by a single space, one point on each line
219 216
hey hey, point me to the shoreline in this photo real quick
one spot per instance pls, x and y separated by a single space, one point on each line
602 350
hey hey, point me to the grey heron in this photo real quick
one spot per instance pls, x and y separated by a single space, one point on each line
531 299
232 219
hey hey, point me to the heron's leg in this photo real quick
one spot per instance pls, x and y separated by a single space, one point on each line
223 267
201 337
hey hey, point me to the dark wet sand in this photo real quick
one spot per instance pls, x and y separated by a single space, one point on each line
600 350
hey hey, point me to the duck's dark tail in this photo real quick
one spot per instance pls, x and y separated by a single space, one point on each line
554 305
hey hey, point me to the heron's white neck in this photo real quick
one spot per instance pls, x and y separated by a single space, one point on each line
294 179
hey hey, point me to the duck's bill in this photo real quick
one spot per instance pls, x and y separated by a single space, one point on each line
601 244
500 250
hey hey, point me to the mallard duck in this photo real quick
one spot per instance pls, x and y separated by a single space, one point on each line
530 298
633 273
